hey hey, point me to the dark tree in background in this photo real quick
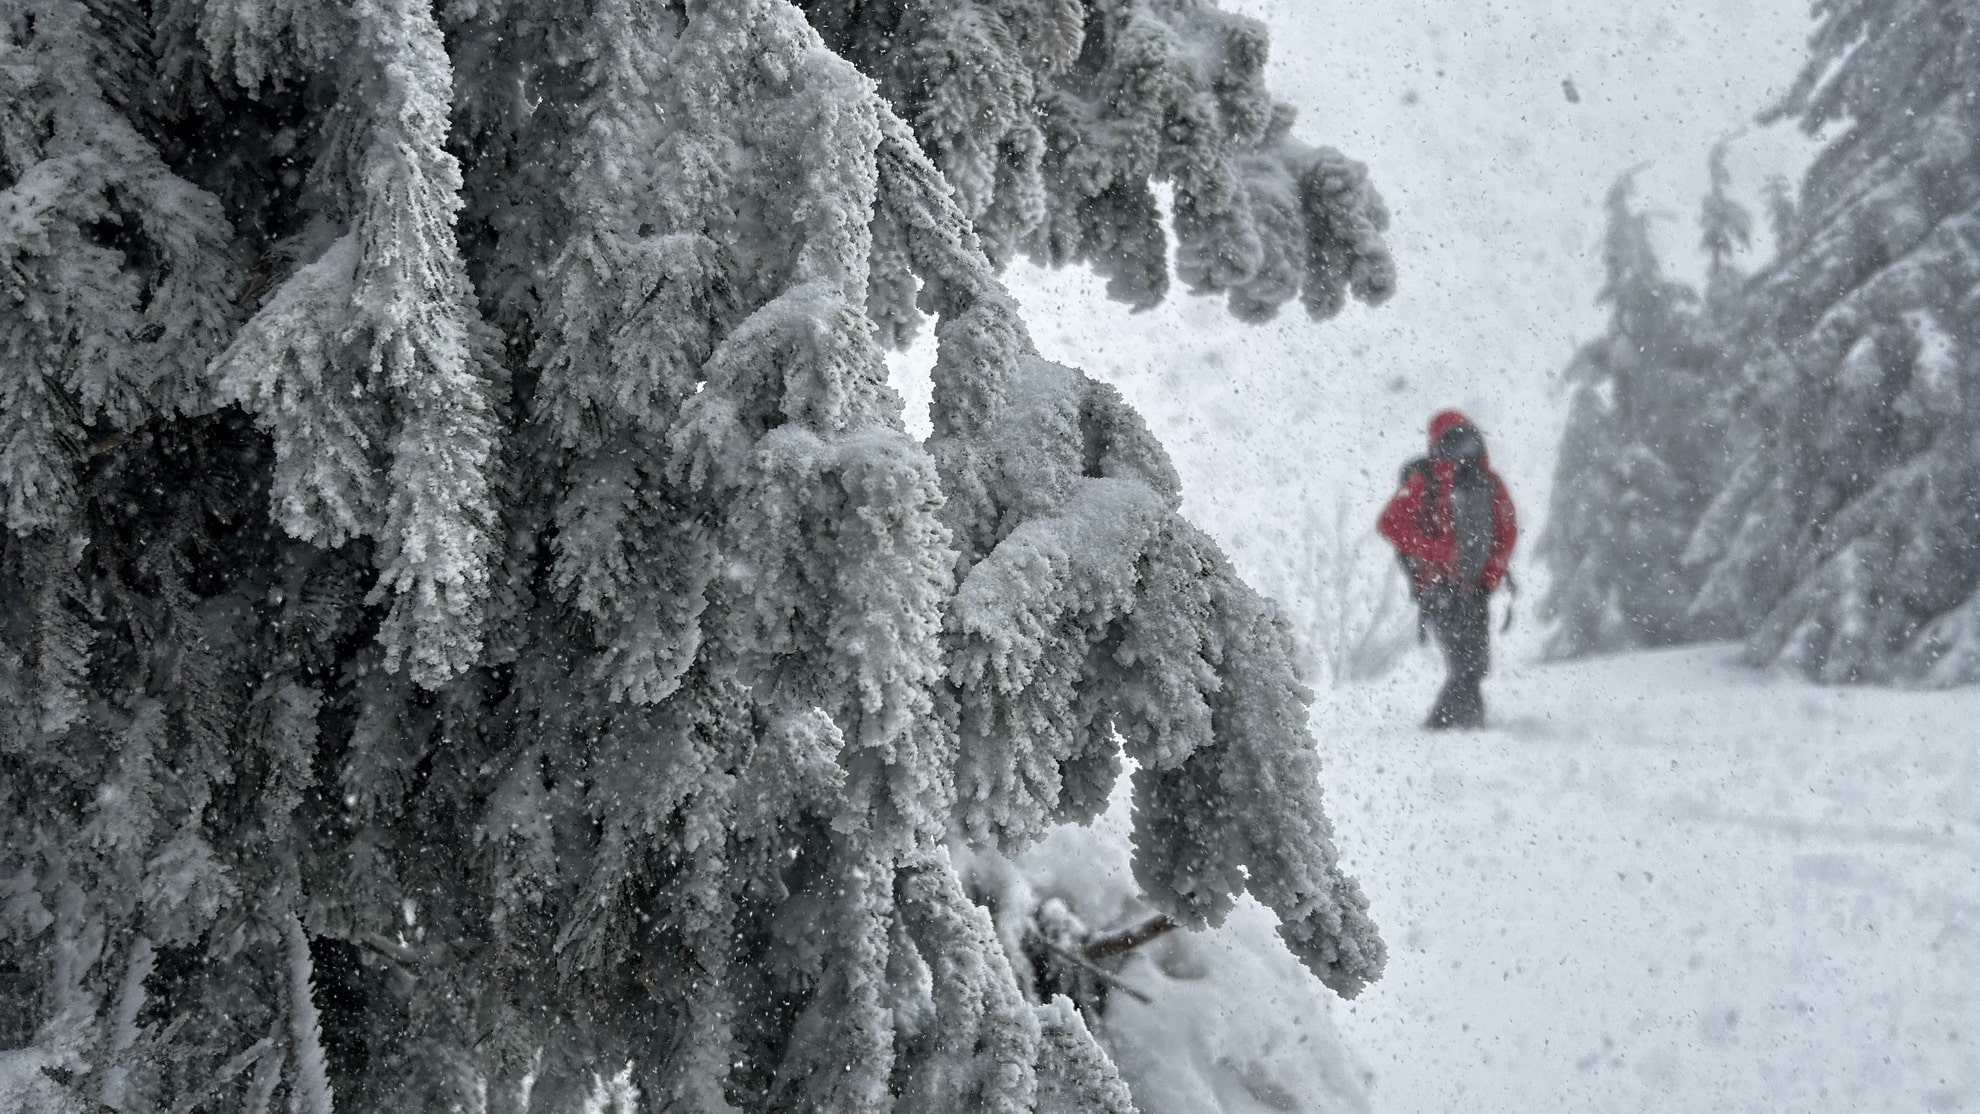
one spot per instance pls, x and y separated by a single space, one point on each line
1851 527
1725 229
1844 538
1628 481
471 619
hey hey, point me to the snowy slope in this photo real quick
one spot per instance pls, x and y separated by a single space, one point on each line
1660 882
1666 883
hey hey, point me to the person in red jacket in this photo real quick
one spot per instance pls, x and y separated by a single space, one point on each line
1453 526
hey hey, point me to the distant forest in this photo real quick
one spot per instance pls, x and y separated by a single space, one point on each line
1791 456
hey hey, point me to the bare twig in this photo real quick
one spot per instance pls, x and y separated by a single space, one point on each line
1128 939
393 952
1105 976
108 444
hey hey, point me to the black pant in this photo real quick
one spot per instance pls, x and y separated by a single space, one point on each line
1462 622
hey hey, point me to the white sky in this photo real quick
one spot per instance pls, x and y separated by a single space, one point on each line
1496 184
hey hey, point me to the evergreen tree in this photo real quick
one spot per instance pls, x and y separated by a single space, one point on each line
471 619
1725 229
1054 120
1847 539
1627 482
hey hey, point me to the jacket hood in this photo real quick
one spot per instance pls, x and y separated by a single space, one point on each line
1443 421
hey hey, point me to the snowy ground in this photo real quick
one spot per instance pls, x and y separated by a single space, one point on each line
1665 883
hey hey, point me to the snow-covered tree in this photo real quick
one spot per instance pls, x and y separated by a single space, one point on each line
1635 454
1847 538
1055 121
472 623
1725 229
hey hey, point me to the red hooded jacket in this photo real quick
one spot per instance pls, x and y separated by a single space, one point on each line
1429 540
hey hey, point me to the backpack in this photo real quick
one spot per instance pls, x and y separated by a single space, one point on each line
1467 472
